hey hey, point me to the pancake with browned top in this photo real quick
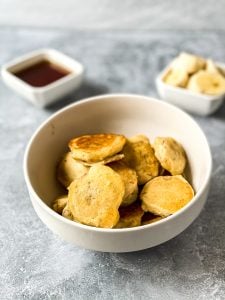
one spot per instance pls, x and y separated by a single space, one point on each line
96 147
164 195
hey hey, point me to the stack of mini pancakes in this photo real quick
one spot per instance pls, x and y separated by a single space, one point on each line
118 182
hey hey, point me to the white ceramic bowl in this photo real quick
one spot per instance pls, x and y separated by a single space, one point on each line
197 103
43 96
118 113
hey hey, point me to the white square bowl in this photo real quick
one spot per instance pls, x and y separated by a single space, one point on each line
43 96
197 103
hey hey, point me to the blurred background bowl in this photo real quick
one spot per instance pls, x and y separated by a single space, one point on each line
193 102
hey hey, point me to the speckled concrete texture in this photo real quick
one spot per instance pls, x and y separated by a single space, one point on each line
116 14
36 264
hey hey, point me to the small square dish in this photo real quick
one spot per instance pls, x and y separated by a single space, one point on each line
43 76
194 102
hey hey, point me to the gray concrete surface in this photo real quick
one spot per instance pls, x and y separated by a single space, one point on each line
36 264
116 14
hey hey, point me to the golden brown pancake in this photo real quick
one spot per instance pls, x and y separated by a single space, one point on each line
96 147
94 199
164 195
105 161
170 154
129 178
69 169
139 155
130 216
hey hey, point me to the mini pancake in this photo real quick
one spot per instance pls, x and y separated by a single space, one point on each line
130 216
164 195
94 199
69 169
149 218
105 161
66 213
60 203
170 154
96 147
129 177
139 155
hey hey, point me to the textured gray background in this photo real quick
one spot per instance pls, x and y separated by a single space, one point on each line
114 14
34 263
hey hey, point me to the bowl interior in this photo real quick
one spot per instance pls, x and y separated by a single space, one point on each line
126 114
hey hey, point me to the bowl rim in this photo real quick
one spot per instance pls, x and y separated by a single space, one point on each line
107 97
